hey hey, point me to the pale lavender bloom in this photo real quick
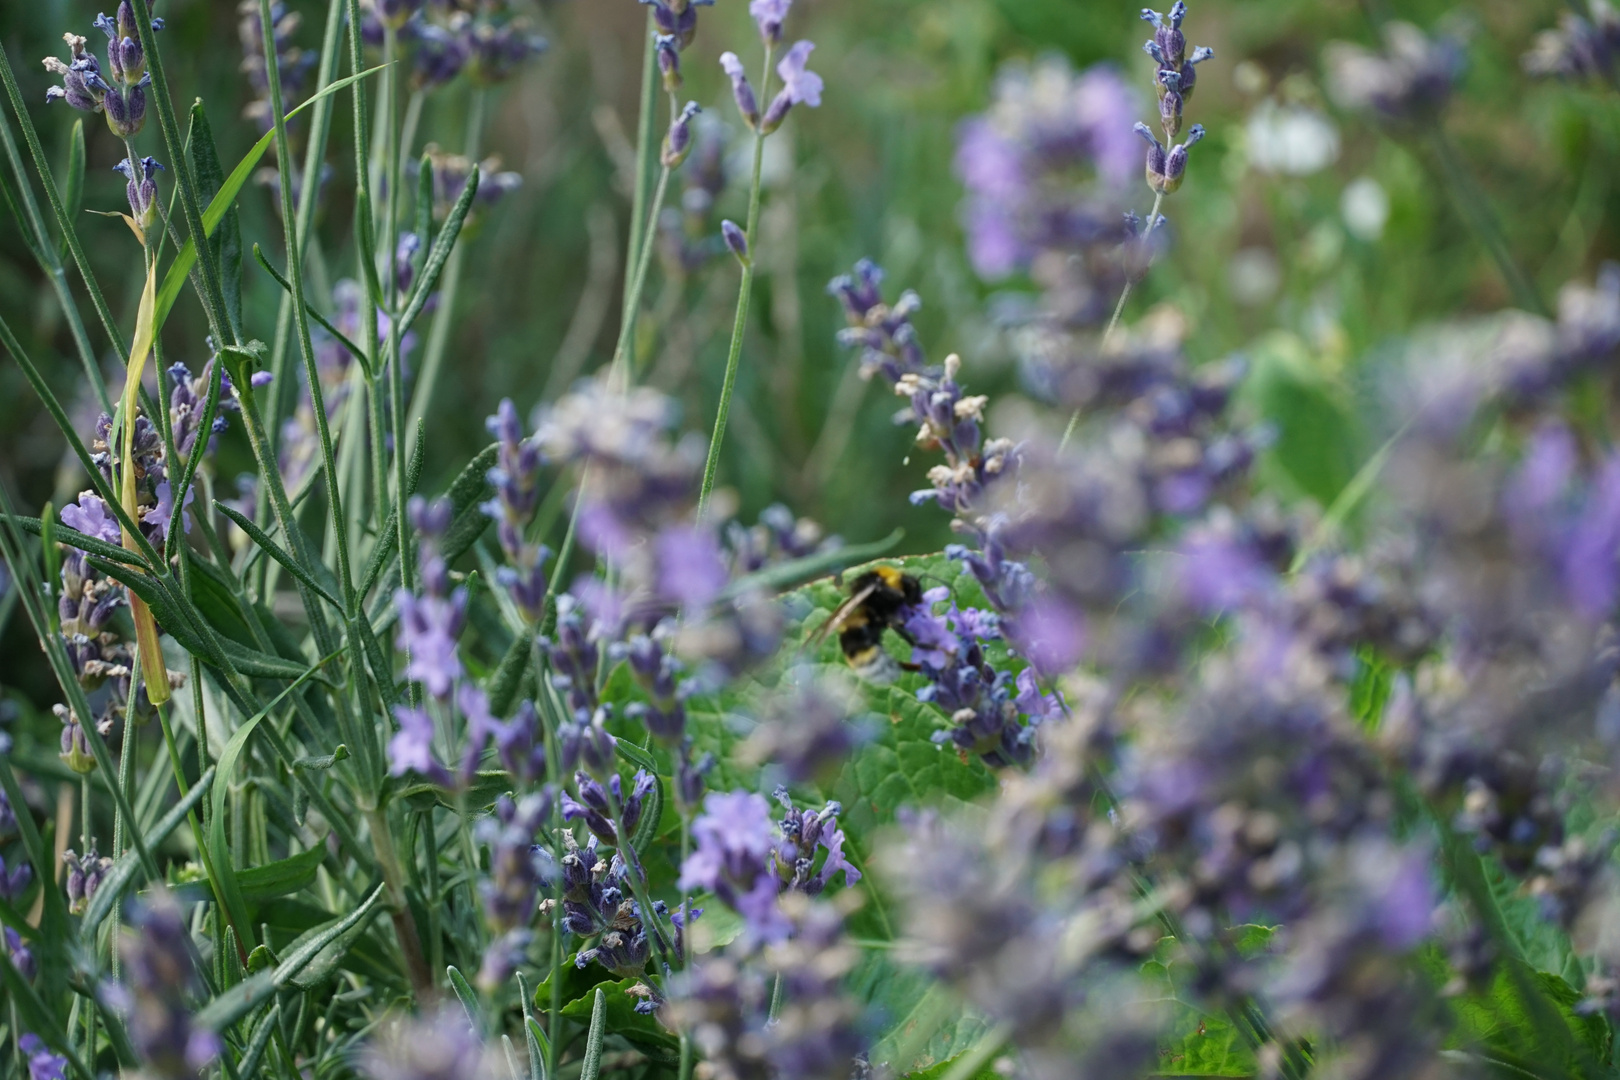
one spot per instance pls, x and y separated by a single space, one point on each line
1591 574
92 517
770 15
799 82
1218 573
440 1045
261 379
428 628
1049 633
733 846
15 880
747 104
158 516
800 86
42 1064
411 748
20 955
691 572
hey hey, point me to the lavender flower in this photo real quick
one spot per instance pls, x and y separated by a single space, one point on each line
438 1045
159 978
141 190
732 848
1408 83
769 15
123 100
657 671
515 479
1018 162
677 18
189 398
496 51
802 834
42 1063
596 806
519 869
800 86
1165 168
20 955
809 729
430 624
736 240
678 141
293 65
741 91
84 875
1581 48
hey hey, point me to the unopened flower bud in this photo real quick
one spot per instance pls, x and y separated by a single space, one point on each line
678 143
141 189
740 89
669 61
1165 169
736 240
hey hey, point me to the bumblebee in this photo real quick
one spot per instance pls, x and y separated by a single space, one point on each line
876 602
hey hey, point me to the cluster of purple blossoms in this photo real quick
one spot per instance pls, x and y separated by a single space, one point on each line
809 727
439 1044
442 41
1583 47
606 809
293 64
732 858
725 1002
122 99
596 903
1174 79
516 480
800 85
100 657
84 874
189 400
1406 84
970 483
42 1063
1019 160
154 498
450 175
803 836
518 869
158 981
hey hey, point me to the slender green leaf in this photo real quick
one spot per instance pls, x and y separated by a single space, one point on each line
465 994
593 1038
793 571
437 255
73 183
278 553
313 957
281 877
225 241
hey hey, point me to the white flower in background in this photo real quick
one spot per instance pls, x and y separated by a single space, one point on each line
1290 139
1365 208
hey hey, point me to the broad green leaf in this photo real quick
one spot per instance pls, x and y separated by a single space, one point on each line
282 877
1317 449
226 240
619 1010
941 1070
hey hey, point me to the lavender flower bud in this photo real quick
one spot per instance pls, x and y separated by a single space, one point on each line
21 956
141 190
1165 170
669 61
82 86
741 91
736 240
678 143
84 874
126 111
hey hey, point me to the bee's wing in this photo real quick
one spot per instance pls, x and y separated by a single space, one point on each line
841 615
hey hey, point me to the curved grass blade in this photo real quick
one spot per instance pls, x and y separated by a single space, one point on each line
220 205
278 553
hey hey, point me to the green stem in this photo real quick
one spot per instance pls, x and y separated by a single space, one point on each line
619 370
314 154
410 945
295 273
396 378
1459 182
712 465
439 337
645 140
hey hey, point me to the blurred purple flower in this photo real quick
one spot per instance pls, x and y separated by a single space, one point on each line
731 858
411 748
42 1064
691 572
428 628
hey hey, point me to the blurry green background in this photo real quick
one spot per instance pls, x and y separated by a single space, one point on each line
1263 260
